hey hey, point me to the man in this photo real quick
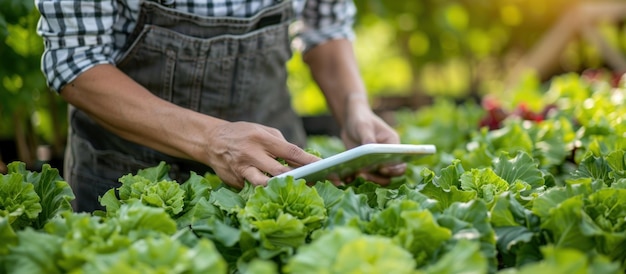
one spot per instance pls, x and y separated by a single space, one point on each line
197 84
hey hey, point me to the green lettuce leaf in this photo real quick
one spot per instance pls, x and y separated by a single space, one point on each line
329 193
565 223
286 196
594 167
217 231
387 197
485 182
517 245
86 237
164 194
521 167
19 203
511 138
606 222
421 235
36 252
83 238
352 210
553 142
518 232
471 221
160 255
55 194
477 154
346 250
550 199
507 211
599 145
619 184
566 261
8 236
150 186
368 189
286 232
227 239
138 219
195 188
228 201
450 176
617 162
465 257
198 213
446 198
389 221
258 266
284 213
155 173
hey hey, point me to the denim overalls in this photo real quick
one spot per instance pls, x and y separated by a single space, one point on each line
230 68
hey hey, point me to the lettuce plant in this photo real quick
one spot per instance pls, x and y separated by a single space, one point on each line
347 250
284 213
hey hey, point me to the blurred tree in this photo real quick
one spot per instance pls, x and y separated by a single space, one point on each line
463 47
30 115
592 23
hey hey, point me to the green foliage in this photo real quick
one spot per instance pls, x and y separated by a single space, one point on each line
347 250
30 199
30 114
22 81
284 213
539 194
453 49
151 187
20 204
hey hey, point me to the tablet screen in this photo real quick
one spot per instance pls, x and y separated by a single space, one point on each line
366 157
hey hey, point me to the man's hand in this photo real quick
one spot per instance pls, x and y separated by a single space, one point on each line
334 68
362 126
241 151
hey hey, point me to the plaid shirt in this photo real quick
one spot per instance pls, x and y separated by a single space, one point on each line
79 34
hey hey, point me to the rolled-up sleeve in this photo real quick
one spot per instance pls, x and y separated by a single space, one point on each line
77 35
323 20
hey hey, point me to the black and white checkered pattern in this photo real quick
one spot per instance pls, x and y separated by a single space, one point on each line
79 34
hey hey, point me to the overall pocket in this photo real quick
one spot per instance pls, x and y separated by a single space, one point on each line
151 66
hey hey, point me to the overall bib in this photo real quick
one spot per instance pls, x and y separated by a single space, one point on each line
230 68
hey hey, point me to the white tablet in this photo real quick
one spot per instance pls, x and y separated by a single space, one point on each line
365 157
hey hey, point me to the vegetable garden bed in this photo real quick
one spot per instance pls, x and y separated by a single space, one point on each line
540 187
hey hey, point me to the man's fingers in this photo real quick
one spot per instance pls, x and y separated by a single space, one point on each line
378 179
255 176
271 166
393 170
367 136
335 180
294 155
274 132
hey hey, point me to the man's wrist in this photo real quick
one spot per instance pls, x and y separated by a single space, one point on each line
354 104
356 99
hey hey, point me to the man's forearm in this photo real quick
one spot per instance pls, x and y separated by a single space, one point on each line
126 108
334 67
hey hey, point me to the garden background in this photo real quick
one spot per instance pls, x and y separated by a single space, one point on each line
409 53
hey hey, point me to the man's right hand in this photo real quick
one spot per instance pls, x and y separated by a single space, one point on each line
236 151
242 151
